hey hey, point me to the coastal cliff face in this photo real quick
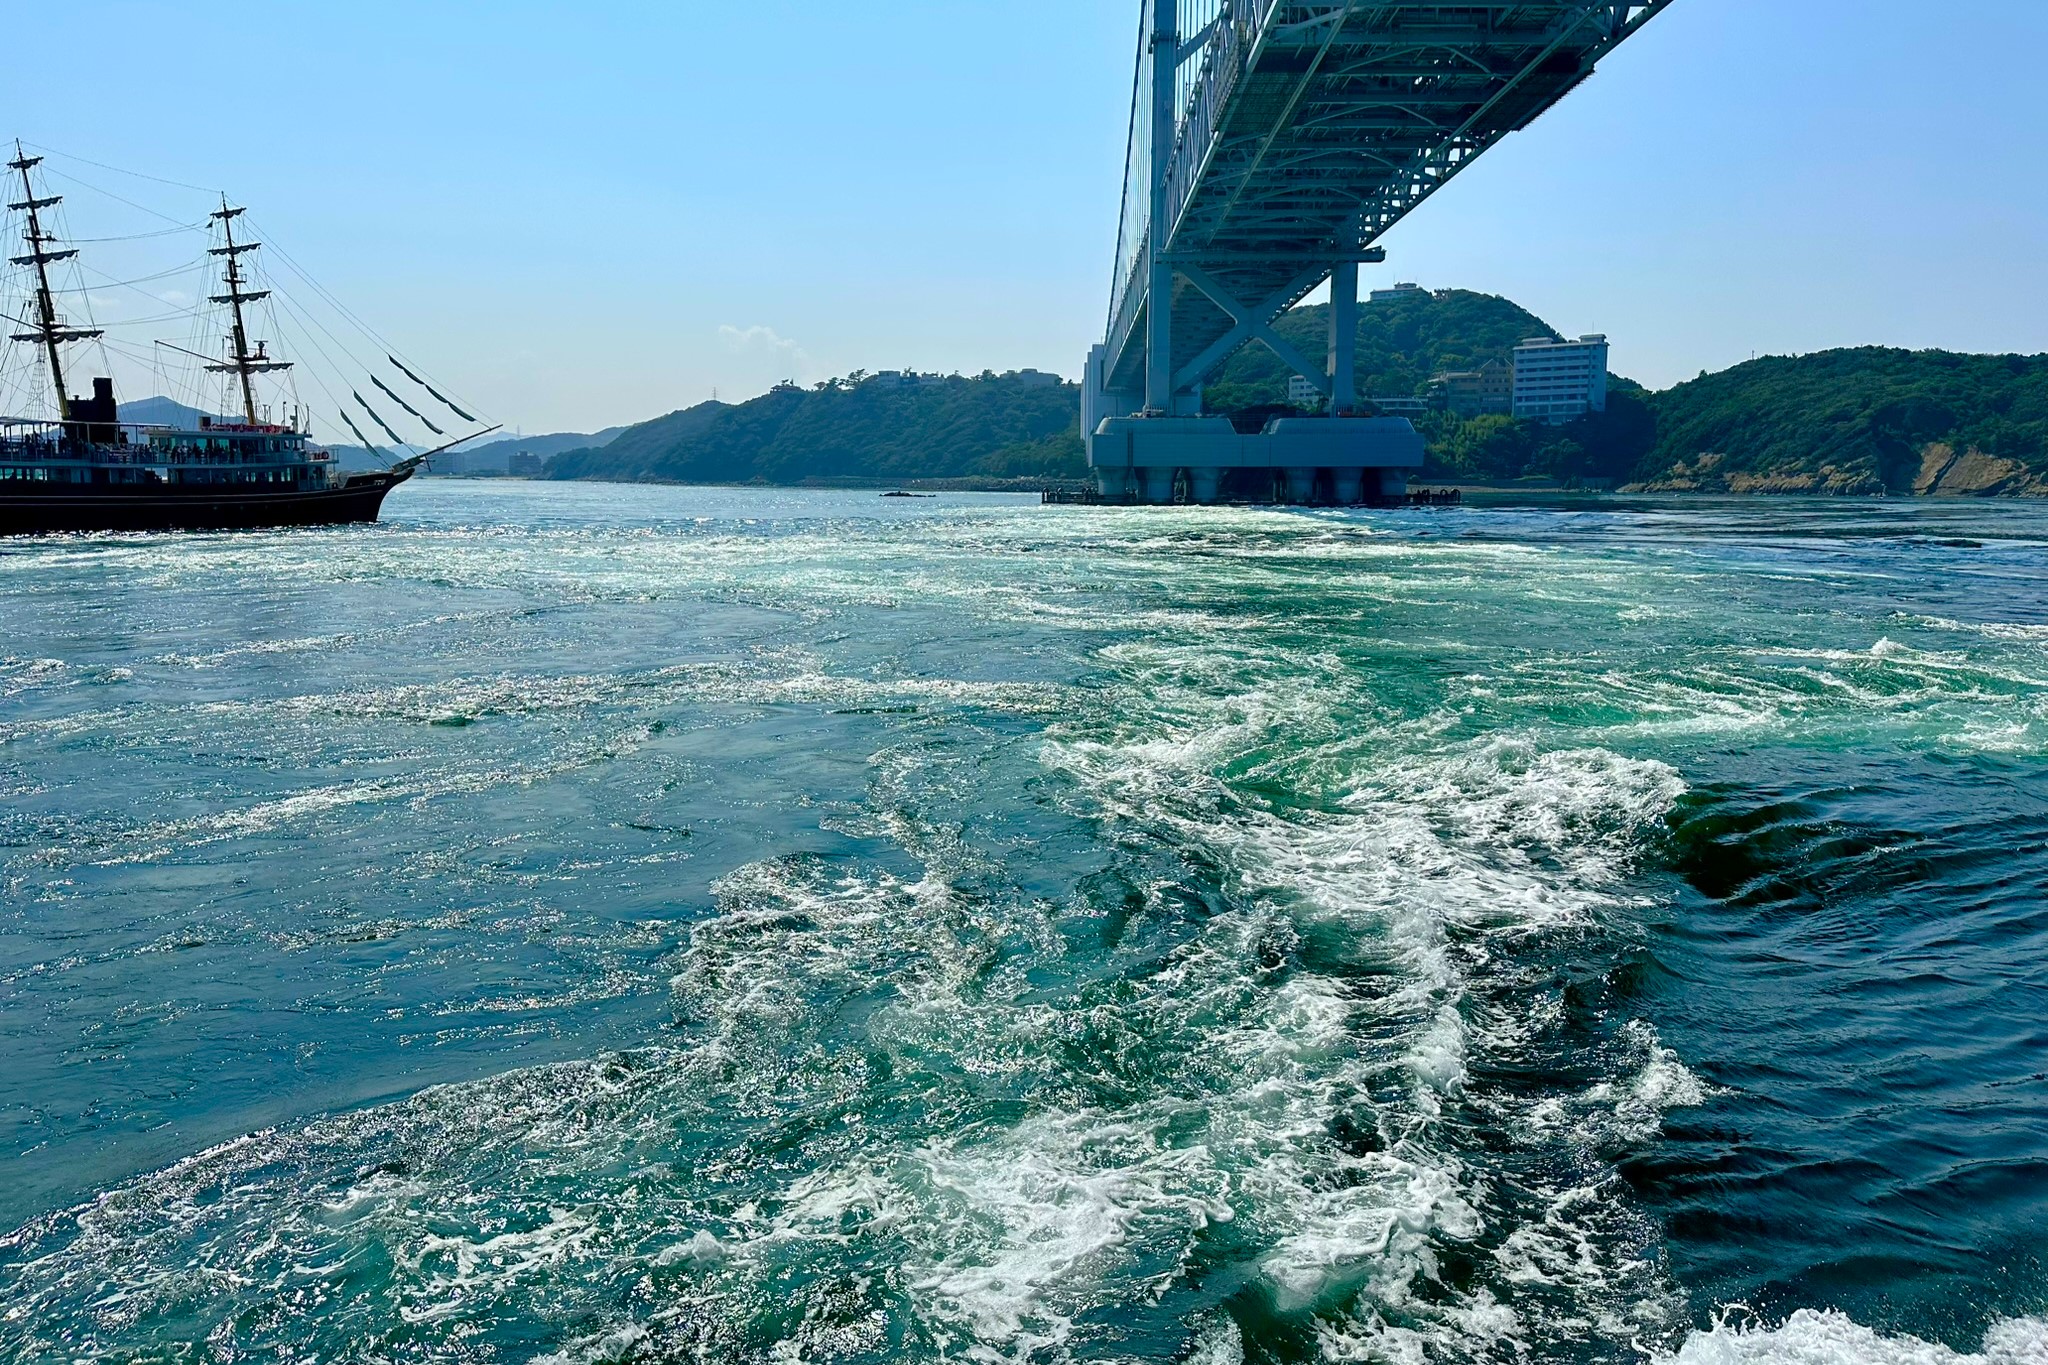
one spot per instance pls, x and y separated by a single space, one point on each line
1943 471
1711 473
1972 473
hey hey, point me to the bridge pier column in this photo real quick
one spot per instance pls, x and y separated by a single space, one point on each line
1348 486
1204 485
1155 483
1344 337
1301 485
1394 484
1164 41
1159 339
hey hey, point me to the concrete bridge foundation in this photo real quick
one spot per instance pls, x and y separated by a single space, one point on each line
1357 459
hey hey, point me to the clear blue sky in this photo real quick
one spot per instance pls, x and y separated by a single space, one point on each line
593 213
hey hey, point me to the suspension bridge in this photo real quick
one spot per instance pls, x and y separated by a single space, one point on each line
1272 144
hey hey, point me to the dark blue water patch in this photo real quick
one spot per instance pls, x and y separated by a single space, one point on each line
167 1001
1968 560
203 959
1857 958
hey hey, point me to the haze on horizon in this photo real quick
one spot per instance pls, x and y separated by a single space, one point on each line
583 218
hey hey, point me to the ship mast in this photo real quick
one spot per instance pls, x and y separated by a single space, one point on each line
50 330
244 364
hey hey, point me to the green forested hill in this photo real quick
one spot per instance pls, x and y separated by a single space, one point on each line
1852 421
1856 421
991 426
635 452
1003 427
1402 341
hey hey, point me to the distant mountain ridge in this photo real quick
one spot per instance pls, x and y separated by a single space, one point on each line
991 426
159 411
548 445
1018 426
1854 421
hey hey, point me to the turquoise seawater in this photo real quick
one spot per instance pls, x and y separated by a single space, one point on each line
581 923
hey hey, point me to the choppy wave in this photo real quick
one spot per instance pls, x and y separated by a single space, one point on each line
1823 1337
1226 959
1235 1095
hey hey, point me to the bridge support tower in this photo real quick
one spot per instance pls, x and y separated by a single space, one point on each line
1148 444
1273 143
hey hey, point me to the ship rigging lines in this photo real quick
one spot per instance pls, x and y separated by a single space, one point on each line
121 310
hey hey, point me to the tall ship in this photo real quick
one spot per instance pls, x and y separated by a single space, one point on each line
83 468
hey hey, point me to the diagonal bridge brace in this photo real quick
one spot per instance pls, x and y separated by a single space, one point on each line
1251 324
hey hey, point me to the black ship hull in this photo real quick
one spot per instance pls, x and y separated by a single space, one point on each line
42 509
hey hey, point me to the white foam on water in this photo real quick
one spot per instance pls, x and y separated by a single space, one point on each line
615 1347
1991 630
1987 700
1025 1228
24 675
1279 1058
506 695
1438 869
1891 660
761 681
1631 1108
300 645
1811 1337
451 1264
1039 1223
1008 1233
1222 1344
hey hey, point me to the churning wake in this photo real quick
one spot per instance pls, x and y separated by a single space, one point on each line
1254 1068
1223 994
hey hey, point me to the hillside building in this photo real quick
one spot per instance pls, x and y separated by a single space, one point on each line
1472 393
1555 381
1399 291
1402 407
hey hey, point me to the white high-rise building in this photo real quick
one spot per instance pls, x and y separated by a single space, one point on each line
1556 381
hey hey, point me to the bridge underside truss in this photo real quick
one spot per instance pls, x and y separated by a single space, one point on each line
1299 132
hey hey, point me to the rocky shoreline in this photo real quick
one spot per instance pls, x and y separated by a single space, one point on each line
1944 472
